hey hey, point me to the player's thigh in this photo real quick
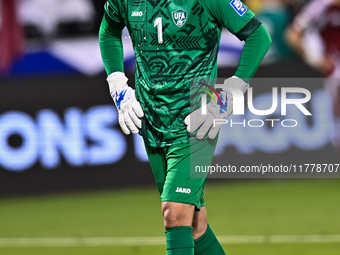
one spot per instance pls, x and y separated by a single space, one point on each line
157 159
182 185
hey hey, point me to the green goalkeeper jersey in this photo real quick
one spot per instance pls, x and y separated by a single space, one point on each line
175 41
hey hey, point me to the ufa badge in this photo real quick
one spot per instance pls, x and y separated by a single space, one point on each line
179 17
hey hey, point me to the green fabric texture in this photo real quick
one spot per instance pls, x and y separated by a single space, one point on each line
224 15
208 244
111 47
169 59
255 48
248 29
174 167
179 241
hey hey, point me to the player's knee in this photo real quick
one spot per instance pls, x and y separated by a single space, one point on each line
176 215
172 218
171 221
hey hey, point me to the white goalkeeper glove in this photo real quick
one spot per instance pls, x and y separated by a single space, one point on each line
206 122
129 109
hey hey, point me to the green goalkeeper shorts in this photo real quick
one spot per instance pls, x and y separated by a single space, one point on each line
174 170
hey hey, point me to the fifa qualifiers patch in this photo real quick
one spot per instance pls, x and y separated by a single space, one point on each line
239 7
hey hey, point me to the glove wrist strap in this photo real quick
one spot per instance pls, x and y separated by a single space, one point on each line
116 81
238 82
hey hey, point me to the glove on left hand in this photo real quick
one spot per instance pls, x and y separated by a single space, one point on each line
206 122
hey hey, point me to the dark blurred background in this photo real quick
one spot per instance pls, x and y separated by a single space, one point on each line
58 125
68 173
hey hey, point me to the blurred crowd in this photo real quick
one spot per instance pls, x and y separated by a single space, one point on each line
59 18
41 21
55 18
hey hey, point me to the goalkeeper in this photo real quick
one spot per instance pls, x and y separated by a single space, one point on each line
176 42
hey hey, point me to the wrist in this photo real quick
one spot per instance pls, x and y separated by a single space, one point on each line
116 81
237 82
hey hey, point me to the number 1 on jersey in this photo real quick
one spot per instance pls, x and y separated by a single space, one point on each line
159 24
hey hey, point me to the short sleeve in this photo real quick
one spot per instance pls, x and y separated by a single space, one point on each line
233 15
113 14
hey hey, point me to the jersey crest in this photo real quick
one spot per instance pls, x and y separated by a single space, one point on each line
179 17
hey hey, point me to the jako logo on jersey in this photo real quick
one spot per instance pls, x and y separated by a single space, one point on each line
183 190
179 17
137 14
239 7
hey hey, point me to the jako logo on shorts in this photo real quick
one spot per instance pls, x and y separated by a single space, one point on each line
183 190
